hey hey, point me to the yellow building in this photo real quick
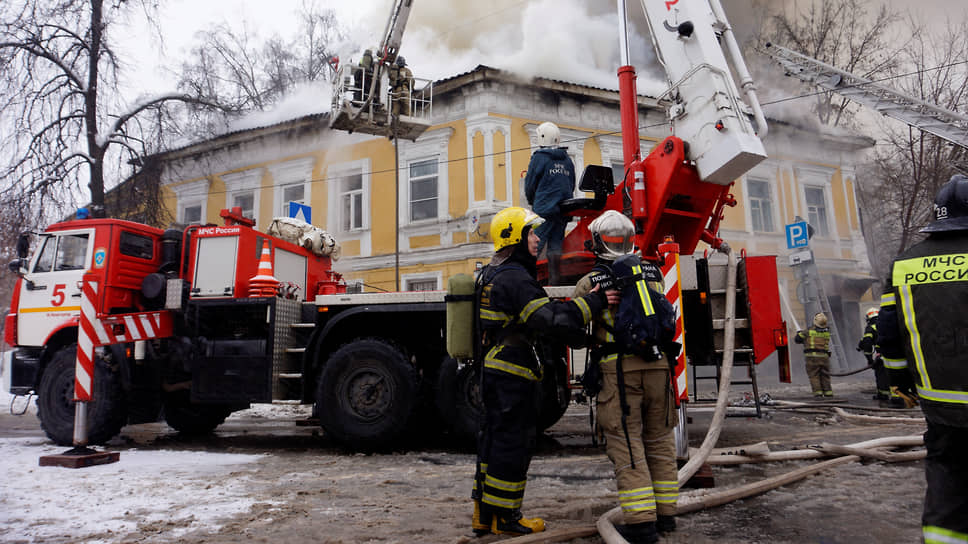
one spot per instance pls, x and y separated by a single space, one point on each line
417 229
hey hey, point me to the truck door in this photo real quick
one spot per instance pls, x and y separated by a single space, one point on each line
50 293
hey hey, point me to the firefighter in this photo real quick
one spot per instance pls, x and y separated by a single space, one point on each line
643 447
866 346
921 335
816 350
514 313
362 76
549 181
401 86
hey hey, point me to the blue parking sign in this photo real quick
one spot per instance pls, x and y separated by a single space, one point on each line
797 235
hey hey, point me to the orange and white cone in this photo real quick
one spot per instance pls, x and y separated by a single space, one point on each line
264 284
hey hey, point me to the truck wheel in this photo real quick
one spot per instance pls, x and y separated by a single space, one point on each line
555 394
366 394
191 418
55 400
459 398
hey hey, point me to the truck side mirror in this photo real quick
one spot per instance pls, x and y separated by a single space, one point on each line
18 266
23 245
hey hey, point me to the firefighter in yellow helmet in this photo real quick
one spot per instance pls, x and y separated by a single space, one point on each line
401 86
922 337
816 351
636 408
515 312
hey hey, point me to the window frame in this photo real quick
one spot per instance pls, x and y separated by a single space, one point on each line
191 194
289 174
768 204
240 183
435 160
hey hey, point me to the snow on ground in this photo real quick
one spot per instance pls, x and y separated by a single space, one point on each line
147 488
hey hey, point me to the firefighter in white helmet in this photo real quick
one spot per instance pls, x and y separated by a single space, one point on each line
549 181
515 315
866 346
640 443
816 352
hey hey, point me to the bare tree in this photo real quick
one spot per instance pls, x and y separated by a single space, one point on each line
848 34
61 108
242 72
911 165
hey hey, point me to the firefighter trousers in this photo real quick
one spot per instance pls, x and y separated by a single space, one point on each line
818 370
945 517
652 485
506 441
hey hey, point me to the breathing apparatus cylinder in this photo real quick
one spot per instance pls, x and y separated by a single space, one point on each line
460 316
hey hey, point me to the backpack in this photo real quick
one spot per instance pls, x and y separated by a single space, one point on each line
645 322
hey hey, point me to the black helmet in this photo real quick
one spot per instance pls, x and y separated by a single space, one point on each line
950 206
401 61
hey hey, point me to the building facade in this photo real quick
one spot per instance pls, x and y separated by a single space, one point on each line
412 227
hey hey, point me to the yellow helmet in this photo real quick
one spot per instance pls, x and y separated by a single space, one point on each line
820 320
509 223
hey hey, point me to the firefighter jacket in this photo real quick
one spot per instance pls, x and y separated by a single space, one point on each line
400 78
550 179
815 340
515 312
869 340
923 325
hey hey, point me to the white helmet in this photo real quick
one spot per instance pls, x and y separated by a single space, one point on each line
612 235
548 134
820 320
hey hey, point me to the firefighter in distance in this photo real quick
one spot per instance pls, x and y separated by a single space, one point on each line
514 312
866 346
922 336
816 351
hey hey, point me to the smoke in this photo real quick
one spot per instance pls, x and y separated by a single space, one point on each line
570 40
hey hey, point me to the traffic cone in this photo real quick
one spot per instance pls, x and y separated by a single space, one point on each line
264 284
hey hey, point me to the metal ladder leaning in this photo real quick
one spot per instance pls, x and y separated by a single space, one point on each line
836 346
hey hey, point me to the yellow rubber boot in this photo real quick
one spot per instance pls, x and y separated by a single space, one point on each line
511 525
480 522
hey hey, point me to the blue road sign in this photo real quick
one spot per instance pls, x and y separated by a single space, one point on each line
301 211
797 235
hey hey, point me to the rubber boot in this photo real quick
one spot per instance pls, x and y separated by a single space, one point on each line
481 521
554 269
639 533
665 524
515 524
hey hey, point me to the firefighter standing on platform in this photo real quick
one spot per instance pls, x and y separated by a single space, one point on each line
866 346
923 329
401 86
514 313
816 351
643 447
549 181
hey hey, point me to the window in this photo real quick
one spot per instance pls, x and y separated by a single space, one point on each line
761 205
423 190
71 251
136 245
351 202
618 172
426 284
192 214
246 201
46 259
292 193
817 210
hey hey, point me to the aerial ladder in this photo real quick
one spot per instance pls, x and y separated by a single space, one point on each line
362 100
943 123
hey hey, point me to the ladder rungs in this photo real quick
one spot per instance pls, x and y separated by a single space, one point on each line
741 323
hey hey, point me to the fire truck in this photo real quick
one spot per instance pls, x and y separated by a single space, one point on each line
203 321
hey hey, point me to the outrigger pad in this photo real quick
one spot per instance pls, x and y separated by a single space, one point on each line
80 457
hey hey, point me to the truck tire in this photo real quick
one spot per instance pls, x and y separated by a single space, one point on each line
459 398
55 400
366 394
190 418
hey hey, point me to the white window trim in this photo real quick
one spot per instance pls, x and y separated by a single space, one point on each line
192 193
333 211
488 126
290 173
437 276
244 181
766 172
816 177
